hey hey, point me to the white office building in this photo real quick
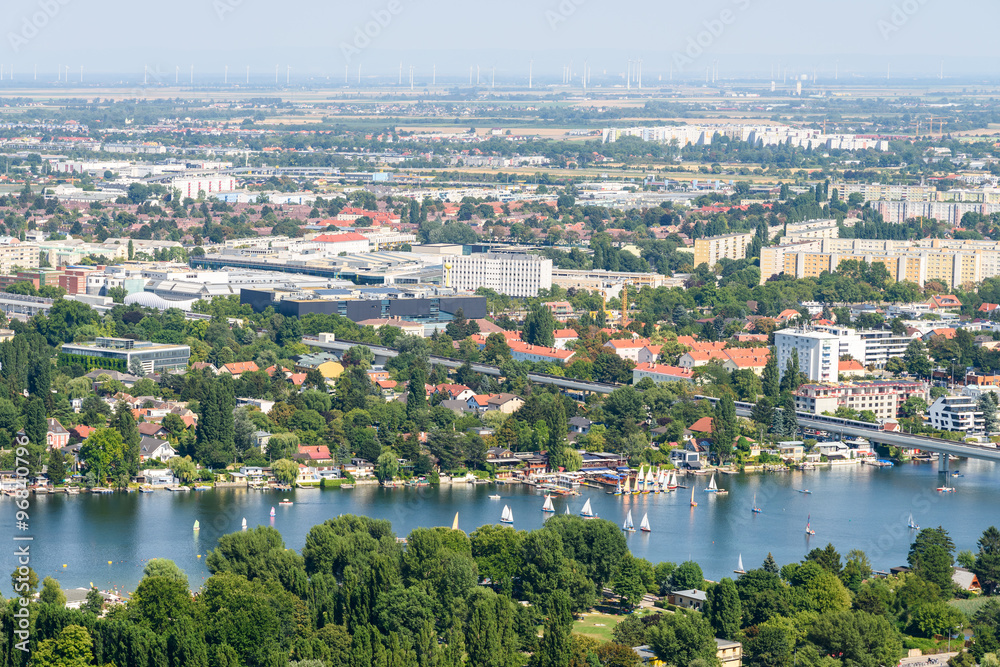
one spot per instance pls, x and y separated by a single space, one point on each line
819 353
514 275
956 413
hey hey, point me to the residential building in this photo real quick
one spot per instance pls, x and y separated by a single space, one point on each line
729 653
882 397
238 368
628 349
599 279
511 274
580 425
505 403
152 448
350 243
818 353
16 255
408 328
746 358
56 437
851 368
121 353
521 351
661 373
649 354
689 599
956 413
812 229
728 246
564 336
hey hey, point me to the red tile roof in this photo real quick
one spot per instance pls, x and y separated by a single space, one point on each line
340 238
240 367
703 425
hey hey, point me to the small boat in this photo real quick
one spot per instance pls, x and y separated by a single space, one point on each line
957 474
567 511
644 524
739 567
693 503
286 501
628 527
197 526
495 496
506 516
809 530
272 512
548 506
618 489
454 524
803 490
672 481
910 523
145 490
755 509
640 480
628 486
712 488
347 486
650 484
587 512
947 489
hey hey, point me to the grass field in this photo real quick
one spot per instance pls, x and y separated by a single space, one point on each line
599 624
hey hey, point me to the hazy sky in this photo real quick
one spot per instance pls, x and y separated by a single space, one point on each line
318 37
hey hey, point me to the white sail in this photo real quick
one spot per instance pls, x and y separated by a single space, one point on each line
244 523
507 516
587 511
739 567
649 477
567 509
644 525
548 507
628 525
711 484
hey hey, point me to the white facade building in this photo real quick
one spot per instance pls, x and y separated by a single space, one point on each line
210 185
819 353
515 275
956 413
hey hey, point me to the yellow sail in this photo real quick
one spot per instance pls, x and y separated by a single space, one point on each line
454 524
628 485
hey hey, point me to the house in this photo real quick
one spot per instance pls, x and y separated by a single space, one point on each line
152 430
360 468
728 653
661 373
649 354
521 351
689 599
965 580
307 476
387 387
944 302
791 450
126 379
749 358
695 358
408 328
851 368
238 368
702 426
81 432
505 403
203 366
627 349
580 425
988 308
455 392
458 407
375 376
56 437
564 336
324 362
947 332
560 309
684 458
314 453
260 440
152 448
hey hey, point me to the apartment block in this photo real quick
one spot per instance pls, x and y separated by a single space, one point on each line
18 256
812 229
729 246
818 353
956 413
515 275
881 397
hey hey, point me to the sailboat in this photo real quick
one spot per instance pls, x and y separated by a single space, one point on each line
712 488
454 524
739 567
587 512
650 481
809 530
567 510
548 507
244 523
693 503
618 488
197 526
644 524
628 486
628 527
506 516
640 481
911 524
755 509
272 511
672 482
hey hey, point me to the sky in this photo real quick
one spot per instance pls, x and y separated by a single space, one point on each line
318 38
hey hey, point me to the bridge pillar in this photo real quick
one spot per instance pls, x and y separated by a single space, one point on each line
942 462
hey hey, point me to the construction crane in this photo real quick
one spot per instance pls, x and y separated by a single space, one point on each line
930 121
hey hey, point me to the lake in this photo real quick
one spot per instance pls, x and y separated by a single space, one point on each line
851 506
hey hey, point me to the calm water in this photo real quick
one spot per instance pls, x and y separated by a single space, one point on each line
851 506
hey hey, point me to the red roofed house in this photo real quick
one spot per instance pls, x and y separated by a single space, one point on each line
750 358
627 349
988 308
314 452
947 332
564 336
696 358
703 425
560 309
238 368
787 314
944 302
649 354
455 392
351 243
660 373
56 436
81 432
852 368
520 351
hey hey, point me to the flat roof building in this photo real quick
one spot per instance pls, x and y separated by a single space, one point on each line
120 353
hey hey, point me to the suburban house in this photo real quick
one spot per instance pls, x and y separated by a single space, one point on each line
564 336
455 392
238 368
649 354
661 373
505 403
314 453
151 448
966 580
152 430
580 425
944 302
521 351
627 349
360 468
728 653
690 599
56 436
851 368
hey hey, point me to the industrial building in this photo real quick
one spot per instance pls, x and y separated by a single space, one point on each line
120 353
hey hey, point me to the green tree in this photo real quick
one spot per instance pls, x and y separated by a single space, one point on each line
857 638
539 325
124 422
724 609
73 647
987 564
104 454
987 404
770 377
24 583
936 617
56 468
916 359
52 593
627 583
94 602
497 551
683 637
688 576
285 471
157 601
931 557
164 567
770 644
554 649
725 428
35 425
386 466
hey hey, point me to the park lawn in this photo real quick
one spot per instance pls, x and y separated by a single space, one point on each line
599 625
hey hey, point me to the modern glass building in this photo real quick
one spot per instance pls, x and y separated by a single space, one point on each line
120 353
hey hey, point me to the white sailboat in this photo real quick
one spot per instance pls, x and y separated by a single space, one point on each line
650 481
587 512
272 511
640 481
911 524
628 486
712 488
809 530
628 527
567 510
739 567
672 483
244 523
644 524
197 526
506 516
755 509
548 507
